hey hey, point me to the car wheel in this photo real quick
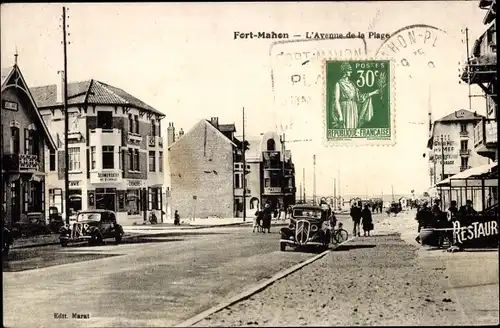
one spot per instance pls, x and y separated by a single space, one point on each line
282 247
118 238
96 239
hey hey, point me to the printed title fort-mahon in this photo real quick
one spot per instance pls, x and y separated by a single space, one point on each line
309 35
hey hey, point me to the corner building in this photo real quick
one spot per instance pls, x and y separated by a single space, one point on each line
115 150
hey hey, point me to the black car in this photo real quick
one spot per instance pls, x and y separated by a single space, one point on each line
93 226
309 226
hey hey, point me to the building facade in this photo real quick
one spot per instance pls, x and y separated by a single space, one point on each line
481 70
115 150
272 172
206 171
451 145
25 141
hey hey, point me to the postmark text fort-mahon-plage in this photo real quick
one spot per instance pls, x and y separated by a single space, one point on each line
358 102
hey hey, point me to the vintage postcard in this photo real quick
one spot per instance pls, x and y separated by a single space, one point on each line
249 164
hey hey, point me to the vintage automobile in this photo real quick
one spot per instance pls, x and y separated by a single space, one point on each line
309 226
93 226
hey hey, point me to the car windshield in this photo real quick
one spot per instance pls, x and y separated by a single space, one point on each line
308 213
89 216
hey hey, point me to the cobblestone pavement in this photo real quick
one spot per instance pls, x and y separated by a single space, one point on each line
369 281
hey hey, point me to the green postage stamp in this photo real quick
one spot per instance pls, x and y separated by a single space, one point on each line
359 106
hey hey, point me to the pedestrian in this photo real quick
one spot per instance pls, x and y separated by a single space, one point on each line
423 217
257 222
267 217
177 218
374 208
367 220
356 218
452 216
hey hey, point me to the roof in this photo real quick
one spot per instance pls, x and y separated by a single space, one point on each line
13 74
210 126
308 207
90 92
471 173
461 115
227 128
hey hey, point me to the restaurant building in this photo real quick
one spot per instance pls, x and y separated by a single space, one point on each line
25 141
452 139
206 171
115 150
272 172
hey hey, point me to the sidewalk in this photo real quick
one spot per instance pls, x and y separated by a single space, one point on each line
369 281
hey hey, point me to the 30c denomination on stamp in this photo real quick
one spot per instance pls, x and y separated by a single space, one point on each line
359 102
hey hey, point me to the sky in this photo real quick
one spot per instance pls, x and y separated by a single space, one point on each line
183 59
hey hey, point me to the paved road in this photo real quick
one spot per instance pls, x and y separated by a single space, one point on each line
154 281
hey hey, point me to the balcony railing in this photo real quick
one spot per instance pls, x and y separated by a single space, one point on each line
464 152
464 133
22 162
485 133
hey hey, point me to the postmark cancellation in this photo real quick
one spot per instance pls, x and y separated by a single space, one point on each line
358 107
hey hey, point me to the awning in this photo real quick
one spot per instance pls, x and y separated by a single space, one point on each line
469 174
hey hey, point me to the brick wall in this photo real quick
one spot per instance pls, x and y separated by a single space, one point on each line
201 164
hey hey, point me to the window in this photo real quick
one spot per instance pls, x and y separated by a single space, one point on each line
464 162
130 123
130 159
105 120
463 127
133 202
152 161
464 144
33 193
108 154
74 159
160 161
14 140
92 157
52 160
137 160
271 145
136 123
153 128
272 179
154 199
238 183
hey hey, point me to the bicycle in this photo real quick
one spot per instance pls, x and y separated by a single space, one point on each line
339 235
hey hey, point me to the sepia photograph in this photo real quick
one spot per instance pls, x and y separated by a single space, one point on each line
247 164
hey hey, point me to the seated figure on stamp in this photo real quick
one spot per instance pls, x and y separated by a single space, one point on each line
352 107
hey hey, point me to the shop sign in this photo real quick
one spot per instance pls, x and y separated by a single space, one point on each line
135 183
272 190
108 176
10 105
475 230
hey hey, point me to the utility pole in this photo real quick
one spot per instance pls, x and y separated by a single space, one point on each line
283 179
314 179
392 192
300 191
244 172
468 66
66 120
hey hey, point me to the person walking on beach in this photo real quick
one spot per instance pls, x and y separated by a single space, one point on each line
367 220
177 218
356 218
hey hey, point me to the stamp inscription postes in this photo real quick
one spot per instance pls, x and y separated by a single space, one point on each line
358 102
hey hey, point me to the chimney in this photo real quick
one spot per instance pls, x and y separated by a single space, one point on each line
181 132
170 133
215 122
60 89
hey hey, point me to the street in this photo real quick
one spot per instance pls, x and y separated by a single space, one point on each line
153 281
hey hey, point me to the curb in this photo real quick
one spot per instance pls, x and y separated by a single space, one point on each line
256 289
142 235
